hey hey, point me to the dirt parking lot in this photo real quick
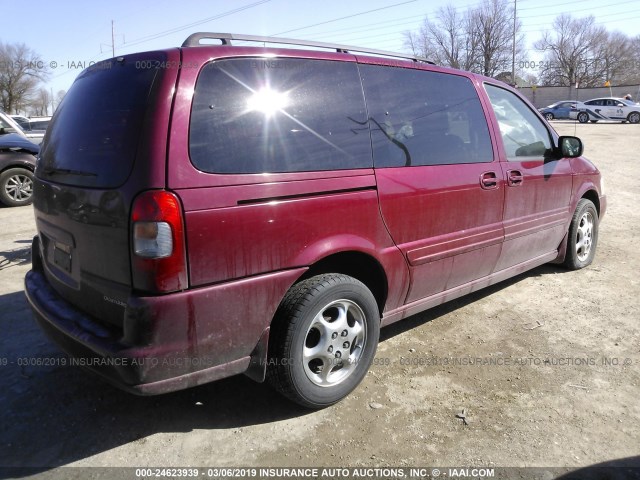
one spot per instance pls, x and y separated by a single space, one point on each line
546 366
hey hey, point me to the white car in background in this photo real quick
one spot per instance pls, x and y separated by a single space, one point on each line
607 108
9 125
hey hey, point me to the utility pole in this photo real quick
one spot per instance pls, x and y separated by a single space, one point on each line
53 108
513 52
113 40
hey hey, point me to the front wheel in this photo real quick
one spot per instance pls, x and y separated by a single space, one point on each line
583 117
16 187
583 236
548 116
634 117
323 339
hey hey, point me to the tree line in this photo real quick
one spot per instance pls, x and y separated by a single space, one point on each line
574 50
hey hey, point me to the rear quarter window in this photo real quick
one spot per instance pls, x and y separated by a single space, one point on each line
278 115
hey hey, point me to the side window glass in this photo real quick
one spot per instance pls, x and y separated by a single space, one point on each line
418 117
278 115
523 133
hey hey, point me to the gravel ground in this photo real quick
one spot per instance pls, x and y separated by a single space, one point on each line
554 380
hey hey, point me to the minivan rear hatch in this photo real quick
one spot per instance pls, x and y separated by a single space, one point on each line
105 144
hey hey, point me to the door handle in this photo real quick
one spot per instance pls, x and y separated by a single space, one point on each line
489 180
514 178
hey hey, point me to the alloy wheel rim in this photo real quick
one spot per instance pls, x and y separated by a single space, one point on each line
584 236
19 188
334 343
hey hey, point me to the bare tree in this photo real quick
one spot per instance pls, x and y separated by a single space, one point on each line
492 23
40 103
573 52
633 67
613 60
478 40
21 70
445 40
59 96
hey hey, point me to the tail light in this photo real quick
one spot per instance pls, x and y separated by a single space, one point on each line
158 256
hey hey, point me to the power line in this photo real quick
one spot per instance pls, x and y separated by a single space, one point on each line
343 18
174 30
597 23
586 9
414 18
381 25
537 7
196 23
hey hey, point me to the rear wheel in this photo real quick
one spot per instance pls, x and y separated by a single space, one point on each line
634 117
583 117
16 187
323 340
583 236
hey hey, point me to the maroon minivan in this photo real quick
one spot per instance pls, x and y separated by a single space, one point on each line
212 210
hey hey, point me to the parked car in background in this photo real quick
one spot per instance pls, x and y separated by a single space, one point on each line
39 123
607 108
244 215
23 121
10 125
33 123
559 110
17 163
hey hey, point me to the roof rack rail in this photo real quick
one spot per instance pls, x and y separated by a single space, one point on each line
194 39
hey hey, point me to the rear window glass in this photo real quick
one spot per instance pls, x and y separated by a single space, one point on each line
420 118
279 115
93 137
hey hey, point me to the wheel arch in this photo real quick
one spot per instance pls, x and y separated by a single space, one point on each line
13 162
359 265
590 194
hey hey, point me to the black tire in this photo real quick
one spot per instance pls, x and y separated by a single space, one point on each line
634 117
583 236
583 117
548 116
593 121
323 311
16 187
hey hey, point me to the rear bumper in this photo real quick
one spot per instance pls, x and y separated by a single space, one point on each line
180 340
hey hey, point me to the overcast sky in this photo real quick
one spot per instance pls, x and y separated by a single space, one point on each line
66 33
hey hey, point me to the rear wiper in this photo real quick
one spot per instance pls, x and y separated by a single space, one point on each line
67 171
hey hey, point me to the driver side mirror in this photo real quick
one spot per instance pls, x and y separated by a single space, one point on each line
570 147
